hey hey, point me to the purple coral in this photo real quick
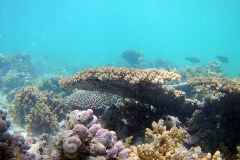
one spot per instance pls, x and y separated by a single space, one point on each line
94 128
104 136
80 130
71 144
124 154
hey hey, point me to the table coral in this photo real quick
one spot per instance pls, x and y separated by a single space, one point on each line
142 85
167 145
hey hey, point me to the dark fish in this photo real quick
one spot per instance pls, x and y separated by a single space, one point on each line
46 56
192 59
222 59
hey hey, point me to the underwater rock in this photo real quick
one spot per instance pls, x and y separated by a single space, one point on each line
132 56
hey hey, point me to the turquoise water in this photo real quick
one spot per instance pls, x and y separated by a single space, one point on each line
96 32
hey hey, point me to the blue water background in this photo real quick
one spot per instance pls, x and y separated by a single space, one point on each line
95 32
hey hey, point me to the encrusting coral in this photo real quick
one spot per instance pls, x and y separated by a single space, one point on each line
220 84
40 110
168 145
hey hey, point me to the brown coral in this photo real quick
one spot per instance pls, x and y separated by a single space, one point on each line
167 145
220 84
41 111
142 85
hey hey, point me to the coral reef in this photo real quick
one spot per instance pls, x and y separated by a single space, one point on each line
19 62
12 146
133 57
85 138
51 84
200 71
40 111
167 145
162 63
142 85
216 125
95 100
14 79
224 85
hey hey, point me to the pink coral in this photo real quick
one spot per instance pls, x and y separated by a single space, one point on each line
120 146
104 136
80 130
71 144
124 154
98 149
94 128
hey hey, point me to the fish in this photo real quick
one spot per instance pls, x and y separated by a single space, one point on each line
222 59
193 59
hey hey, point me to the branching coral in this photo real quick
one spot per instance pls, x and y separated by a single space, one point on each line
220 84
41 111
199 71
167 145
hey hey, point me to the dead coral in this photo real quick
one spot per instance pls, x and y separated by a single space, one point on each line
41 111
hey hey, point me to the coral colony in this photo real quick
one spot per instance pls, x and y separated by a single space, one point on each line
118 113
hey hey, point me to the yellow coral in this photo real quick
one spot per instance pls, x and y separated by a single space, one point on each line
168 145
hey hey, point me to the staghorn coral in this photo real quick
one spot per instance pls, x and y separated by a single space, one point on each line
224 85
142 85
167 145
40 111
84 139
